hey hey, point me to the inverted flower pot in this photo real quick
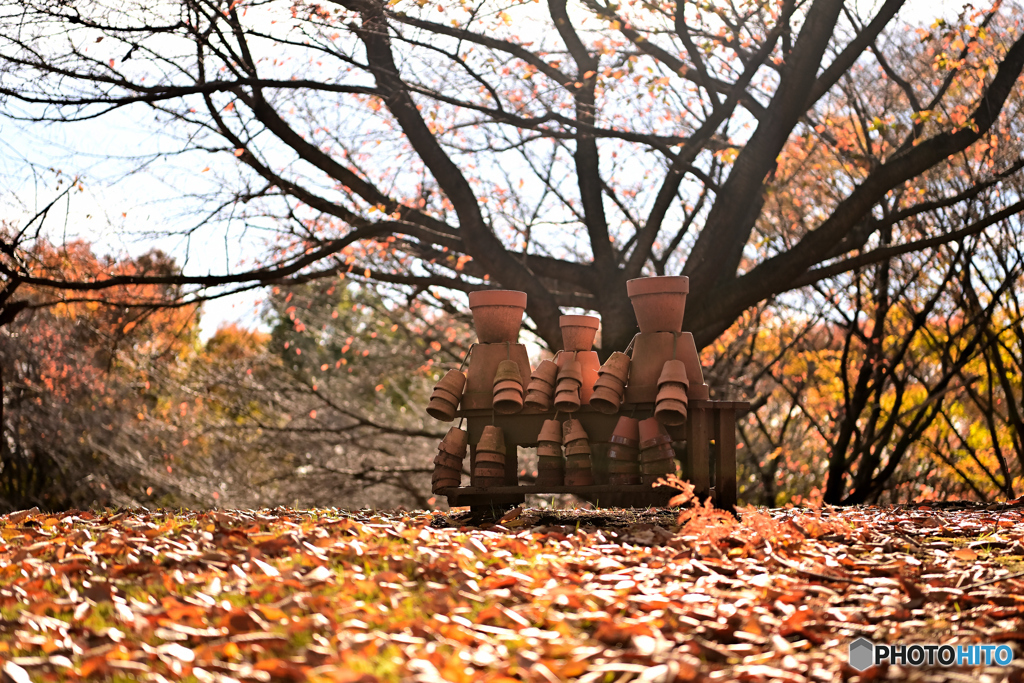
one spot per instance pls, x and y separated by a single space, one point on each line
659 302
578 331
497 314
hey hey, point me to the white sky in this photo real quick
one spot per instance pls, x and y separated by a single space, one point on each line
117 202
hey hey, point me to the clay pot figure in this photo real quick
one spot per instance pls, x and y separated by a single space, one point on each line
448 463
483 366
578 331
489 466
444 401
659 302
550 463
508 388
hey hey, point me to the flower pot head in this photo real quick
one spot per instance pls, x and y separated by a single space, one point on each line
617 366
453 382
497 314
578 331
492 439
551 431
573 430
508 370
674 371
547 371
659 302
628 430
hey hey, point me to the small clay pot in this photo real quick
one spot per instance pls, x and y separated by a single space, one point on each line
457 439
578 331
606 401
551 432
672 391
572 430
626 432
582 448
550 478
546 371
572 370
578 461
508 384
442 472
617 366
660 452
454 450
649 430
453 382
658 467
550 461
623 453
661 440
673 372
445 395
699 392
508 370
670 412
659 302
566 401
579 477
497 314
489 469
536 399
610 382
490 456
492 439
443 459
623 467
508 402
489 482
549 450
442 410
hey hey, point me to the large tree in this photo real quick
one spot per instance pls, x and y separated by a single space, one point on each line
554 148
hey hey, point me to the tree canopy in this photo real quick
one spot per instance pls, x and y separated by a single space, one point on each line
556 148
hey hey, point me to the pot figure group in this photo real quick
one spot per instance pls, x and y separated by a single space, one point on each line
663 370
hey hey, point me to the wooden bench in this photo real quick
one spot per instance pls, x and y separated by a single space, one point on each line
709 455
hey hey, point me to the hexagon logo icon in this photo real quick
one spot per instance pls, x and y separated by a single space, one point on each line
862 654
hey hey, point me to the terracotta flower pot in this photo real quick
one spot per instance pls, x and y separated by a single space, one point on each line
626 431
672 391
623 467
567 400
617 366
508 371
573 430
578 461
454 382
659 302
674 371
483 366
549 450
609 382
578 331
508 385
605 400
579 477
497 314
448 460
670 412
571 370
580 448
660 452
489 470
538 400
620 453
550 432
546 370
508 402
652 432
491 439
440 409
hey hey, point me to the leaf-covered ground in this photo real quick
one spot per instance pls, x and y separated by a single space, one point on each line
327 595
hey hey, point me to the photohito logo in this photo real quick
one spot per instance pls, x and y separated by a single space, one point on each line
864 654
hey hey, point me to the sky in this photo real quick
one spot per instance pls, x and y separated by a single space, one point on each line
124 195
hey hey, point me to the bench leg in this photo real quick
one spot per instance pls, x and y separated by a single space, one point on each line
725 459
698 435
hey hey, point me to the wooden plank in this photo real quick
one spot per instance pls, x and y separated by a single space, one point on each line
698 449
725 459
637 495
